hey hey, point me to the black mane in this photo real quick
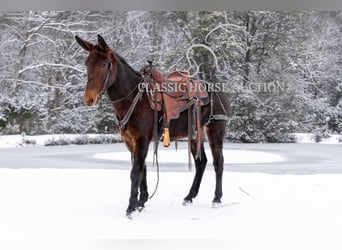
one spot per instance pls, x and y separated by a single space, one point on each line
125 63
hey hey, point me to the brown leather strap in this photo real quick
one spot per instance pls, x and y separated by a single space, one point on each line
122 123
198 124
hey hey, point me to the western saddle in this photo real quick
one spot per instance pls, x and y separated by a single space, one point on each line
173 95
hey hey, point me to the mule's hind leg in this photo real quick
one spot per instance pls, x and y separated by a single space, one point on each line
200 167
215 133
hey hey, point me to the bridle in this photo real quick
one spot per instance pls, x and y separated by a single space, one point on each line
106 84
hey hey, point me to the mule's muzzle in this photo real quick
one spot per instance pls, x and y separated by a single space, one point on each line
91 100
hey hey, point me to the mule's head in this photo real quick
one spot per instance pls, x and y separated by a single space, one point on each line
100 69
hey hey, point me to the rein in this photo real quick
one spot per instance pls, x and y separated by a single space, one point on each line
122 123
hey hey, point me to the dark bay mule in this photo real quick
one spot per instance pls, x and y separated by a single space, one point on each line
109 73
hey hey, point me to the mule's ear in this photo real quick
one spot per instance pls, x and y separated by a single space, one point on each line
102 43
84 44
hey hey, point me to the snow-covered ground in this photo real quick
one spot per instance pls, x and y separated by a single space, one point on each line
7 141
262 211
310 138
10 141
173 156
259 211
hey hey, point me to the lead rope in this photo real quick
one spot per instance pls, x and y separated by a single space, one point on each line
155 146
155 156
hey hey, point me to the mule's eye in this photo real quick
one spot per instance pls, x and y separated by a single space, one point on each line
103 65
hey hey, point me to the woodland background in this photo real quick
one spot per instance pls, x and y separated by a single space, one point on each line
282 69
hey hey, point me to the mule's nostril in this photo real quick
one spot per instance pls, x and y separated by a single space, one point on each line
90 102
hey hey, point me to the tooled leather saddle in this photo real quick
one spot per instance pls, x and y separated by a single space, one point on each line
175 94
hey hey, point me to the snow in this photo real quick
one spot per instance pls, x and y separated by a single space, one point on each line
304 137
11 141
173 156
260 210
8 141
332 139
310 138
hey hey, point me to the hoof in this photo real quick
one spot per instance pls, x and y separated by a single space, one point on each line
129 212
133 214
140 208
187 202
129 215
216 204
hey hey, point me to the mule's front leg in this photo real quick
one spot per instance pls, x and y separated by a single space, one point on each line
143 190
138 175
